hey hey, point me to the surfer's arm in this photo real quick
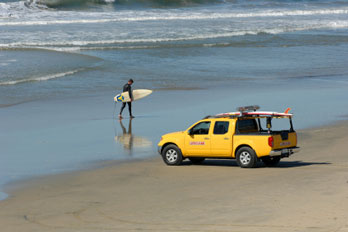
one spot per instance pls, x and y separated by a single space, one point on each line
130 93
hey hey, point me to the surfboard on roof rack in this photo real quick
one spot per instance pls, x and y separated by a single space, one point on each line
252 112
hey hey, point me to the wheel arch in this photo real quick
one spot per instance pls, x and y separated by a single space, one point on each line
167 144
239 147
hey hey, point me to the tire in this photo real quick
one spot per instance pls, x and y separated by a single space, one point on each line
271 161
171 155
246 157
196 160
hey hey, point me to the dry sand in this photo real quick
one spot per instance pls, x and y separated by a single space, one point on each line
307 192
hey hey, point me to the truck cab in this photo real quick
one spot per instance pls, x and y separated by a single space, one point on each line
246 135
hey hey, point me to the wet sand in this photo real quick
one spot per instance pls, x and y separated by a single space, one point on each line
307 192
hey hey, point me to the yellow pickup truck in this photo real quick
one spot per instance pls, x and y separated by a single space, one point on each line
246 135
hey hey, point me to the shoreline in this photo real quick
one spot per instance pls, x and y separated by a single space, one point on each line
135 195
8 187
77 115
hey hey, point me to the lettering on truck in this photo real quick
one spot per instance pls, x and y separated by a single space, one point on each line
197 143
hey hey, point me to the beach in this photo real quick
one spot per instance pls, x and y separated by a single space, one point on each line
306 192
68 164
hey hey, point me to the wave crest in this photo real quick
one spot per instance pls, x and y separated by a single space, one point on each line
196 16
148 3
41 78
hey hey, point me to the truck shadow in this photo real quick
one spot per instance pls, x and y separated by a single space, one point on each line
212 162
294 164
232 163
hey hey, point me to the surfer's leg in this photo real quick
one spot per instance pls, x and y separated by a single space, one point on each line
122 108
130 109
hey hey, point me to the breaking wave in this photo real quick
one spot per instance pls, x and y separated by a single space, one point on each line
197 16
120 3
130 43
65 30
42 78
136 43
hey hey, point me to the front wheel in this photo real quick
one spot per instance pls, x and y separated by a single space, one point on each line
246 157
171 155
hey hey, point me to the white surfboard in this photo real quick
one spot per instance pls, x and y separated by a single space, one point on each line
137 94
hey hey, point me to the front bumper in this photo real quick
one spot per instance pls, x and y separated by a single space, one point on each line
286 152
159 149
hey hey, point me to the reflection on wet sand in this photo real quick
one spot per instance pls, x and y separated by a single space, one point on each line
129 140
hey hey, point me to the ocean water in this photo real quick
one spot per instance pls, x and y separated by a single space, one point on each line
62 61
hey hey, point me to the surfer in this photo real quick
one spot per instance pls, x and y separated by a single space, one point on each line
127 88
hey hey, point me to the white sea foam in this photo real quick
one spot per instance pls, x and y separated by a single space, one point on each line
338 24
142 40
116 17
42 78
75 45
4 6
154 26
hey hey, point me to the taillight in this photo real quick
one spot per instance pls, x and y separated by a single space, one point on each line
270 141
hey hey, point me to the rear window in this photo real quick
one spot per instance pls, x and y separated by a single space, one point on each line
220 128
247 126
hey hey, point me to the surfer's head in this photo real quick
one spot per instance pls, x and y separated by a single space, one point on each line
130 81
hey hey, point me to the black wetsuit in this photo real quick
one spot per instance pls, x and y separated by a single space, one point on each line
127 87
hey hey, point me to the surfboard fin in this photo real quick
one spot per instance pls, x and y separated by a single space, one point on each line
287 110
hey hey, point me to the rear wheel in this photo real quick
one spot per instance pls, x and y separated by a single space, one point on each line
171 155
271 161
246 157
196 160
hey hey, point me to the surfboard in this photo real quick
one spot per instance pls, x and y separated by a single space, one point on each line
137 94
256 113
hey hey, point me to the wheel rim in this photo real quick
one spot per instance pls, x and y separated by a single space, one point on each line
171 155
245 157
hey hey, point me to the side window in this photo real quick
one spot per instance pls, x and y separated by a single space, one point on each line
247 126
201 128
221 128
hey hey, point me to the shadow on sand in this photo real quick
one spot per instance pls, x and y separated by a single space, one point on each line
294 164
232 163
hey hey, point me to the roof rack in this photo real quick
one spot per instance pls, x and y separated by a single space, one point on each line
248 108
250 111
224 115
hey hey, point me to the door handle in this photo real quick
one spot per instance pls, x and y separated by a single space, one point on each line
206 138
226 138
